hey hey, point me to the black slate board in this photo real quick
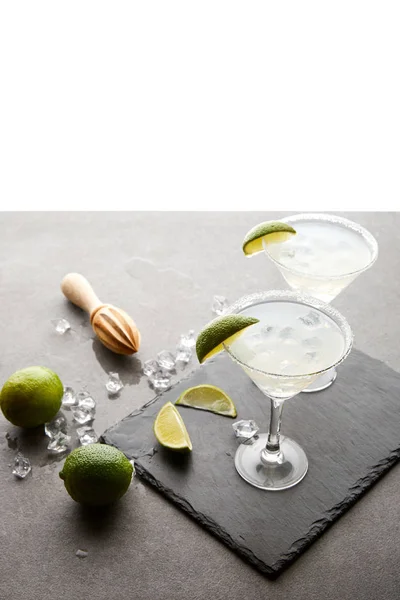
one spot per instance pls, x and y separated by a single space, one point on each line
350 433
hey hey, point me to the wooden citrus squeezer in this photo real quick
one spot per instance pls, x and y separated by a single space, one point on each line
114 328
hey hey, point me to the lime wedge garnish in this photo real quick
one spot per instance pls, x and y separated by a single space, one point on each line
170 429
271 232
222 329
208 397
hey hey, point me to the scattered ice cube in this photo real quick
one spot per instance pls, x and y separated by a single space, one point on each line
185 348
87 435
160 381
81 553
245 430
313 343
86 401
59 443
69 399
166 360
59 423
82 415
183 356
311 319
114 384
150 367
187 340
219 305
22 466
286 333
61 325
82 430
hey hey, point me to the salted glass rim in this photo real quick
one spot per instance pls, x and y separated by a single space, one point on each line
365 234
289 296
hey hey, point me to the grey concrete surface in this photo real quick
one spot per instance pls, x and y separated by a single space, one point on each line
163 269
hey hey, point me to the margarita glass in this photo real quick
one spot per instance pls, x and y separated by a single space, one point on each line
296 339
322 259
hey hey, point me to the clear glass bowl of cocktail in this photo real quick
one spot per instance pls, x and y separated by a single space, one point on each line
297 338
322 259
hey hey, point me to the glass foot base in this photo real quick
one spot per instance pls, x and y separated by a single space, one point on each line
285 473
322 382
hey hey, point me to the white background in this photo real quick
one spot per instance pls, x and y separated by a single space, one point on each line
199 105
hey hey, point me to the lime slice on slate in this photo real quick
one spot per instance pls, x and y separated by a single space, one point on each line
170 429
208 397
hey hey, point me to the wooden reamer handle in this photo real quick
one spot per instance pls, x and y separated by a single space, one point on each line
78 290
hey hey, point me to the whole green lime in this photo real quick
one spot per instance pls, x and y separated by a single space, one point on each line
96 474
31 396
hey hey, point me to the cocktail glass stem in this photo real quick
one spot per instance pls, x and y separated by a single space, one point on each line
271 454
